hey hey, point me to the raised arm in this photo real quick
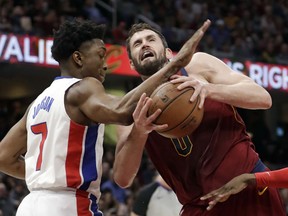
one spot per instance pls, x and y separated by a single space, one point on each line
101 107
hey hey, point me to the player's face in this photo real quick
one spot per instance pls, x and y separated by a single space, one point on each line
148 52
94 65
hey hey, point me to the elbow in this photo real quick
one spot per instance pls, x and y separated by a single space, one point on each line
5 161
267 102
121 181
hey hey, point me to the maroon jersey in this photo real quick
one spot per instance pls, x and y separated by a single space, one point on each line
218 150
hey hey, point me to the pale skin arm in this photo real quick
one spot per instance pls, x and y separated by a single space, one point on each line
234 186
89 97
130 147
13 146
131 143
213 79
87 101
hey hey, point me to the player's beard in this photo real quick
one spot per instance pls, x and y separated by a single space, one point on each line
151 67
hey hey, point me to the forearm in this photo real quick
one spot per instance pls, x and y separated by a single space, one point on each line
128 158
244 95
15 169
12 147
276 178
129 101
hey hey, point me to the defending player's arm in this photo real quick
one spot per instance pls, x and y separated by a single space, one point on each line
101 107
276 178
131 142
212 78
12 147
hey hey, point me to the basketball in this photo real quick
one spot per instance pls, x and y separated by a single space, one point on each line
181 115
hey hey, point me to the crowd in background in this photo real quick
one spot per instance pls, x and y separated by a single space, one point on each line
254 30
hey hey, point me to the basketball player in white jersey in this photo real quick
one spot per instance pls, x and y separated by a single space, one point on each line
61 133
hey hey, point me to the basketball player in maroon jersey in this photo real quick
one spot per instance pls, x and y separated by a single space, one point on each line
61 133
218 150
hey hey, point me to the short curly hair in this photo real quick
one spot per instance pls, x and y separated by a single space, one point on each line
140 27
72 34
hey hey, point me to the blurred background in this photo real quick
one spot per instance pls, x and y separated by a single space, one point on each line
250 36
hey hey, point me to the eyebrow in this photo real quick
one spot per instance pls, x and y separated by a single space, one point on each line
147 37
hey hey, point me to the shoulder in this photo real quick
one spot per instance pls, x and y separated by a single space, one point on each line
206 66
204 60
81 90
82 94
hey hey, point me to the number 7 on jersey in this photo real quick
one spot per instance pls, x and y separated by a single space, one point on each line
40 129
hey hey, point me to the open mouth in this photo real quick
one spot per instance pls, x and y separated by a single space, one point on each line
146 54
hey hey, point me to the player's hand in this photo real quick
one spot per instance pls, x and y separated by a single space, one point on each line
234 186
200 87
142 122
185 54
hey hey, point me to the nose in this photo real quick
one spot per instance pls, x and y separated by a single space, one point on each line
145 44
105 67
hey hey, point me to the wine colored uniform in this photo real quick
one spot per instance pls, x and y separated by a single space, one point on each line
218 150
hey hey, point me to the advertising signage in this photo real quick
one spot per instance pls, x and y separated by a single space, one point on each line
15 49
26 49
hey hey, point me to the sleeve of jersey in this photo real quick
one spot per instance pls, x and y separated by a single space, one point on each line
275 178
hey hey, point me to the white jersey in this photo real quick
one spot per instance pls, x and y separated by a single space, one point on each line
163 202
62 154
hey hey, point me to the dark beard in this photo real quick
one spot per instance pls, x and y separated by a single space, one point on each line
150 68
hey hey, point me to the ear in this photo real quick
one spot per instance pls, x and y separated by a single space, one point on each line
77 57
169 53
131 65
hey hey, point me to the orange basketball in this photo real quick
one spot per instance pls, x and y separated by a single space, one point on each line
181 115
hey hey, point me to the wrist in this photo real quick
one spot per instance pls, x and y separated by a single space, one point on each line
249 178
139 132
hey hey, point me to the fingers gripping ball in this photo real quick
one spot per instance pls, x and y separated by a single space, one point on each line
181 115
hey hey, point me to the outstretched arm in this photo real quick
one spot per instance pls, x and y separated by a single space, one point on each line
276 178
234 186
100 107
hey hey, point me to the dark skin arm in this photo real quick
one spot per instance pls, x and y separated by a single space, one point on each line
13 146
234 186
87 100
